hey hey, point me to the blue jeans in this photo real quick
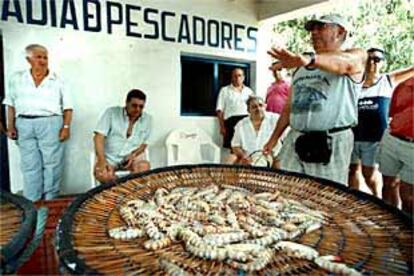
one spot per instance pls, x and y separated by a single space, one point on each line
41 156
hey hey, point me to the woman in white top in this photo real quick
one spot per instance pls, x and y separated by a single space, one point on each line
252 132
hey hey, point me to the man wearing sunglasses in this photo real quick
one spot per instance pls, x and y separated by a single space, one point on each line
373 106
121 138
322 105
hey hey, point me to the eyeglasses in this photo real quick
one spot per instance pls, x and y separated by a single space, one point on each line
376 59
140 106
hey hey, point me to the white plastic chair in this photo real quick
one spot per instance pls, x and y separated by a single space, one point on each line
119 173
191 146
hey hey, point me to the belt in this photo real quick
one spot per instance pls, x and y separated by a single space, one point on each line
406 139
338 129
329 131
35 116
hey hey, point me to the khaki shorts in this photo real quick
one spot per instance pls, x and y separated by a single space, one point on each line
138 159
396 157
336 170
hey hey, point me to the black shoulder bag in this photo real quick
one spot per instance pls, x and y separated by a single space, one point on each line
314 147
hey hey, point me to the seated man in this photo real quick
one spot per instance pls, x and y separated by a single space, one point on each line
121 137
252 132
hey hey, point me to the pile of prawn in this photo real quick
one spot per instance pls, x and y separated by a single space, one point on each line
227 223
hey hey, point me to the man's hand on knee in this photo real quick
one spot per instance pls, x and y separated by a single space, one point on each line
104 172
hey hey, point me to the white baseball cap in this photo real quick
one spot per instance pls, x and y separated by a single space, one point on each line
330 19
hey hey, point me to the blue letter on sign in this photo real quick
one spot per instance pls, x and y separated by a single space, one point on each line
184 30
5 13
72 19
251 35
164 26
213 32
87 15
129 23
201 30
148 20
226 36
237 39
109 16
43 13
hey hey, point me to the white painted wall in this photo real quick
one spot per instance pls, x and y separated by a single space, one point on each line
101 68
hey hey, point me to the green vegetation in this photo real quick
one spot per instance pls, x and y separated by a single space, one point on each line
382 23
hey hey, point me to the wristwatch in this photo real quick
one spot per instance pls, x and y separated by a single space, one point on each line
65 126
312 57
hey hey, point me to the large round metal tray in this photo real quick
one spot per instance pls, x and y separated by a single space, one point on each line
17 223
368 234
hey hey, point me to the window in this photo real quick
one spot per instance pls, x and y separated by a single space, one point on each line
201 80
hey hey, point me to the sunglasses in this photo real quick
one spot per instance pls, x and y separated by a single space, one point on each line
319 25
376 59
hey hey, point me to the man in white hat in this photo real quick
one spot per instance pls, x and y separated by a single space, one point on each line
322 105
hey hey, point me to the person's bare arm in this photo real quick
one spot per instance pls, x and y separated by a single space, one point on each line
220 117
139 150
11 119
64 133
103 170
99 141
349 62
2 126
402 75
282 124
241 155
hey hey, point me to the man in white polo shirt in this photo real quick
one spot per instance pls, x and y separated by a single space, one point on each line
121 138
39 117
231 105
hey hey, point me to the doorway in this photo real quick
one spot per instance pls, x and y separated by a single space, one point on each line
4 153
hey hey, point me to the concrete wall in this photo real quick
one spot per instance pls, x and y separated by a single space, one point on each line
100 68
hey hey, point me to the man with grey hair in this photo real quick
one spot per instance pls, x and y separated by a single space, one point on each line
322 105
39 115
251 133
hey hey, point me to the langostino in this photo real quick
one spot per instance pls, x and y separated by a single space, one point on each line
225 223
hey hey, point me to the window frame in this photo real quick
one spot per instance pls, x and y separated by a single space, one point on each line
245 65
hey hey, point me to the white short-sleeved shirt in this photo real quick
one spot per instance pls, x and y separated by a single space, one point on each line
50 98
113 124
232 102
248 139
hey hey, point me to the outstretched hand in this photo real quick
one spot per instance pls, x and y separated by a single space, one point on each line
288 59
